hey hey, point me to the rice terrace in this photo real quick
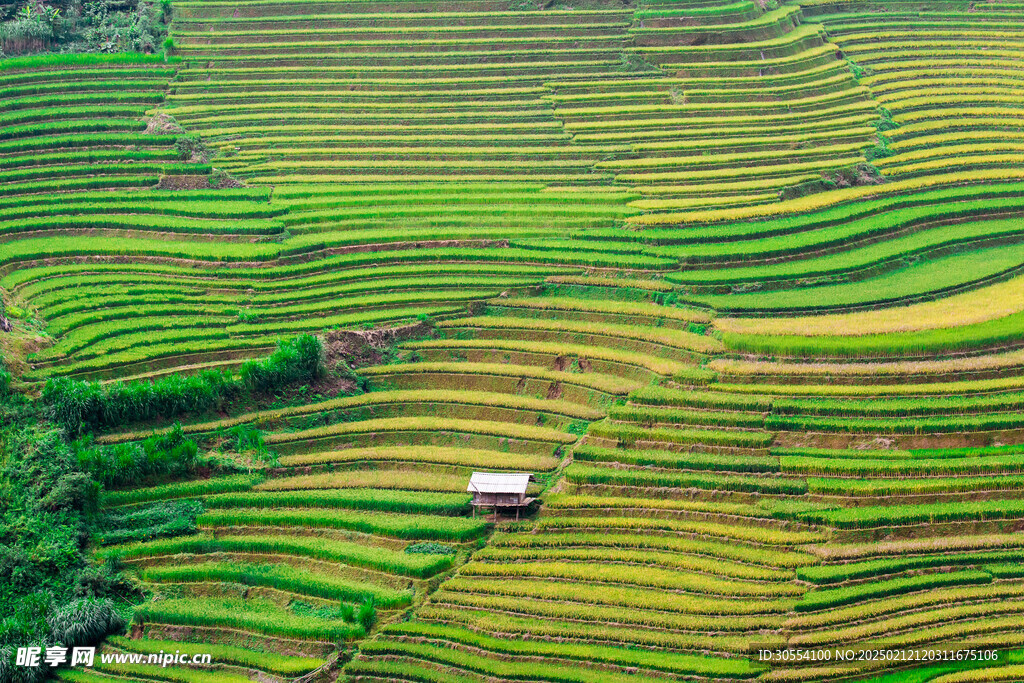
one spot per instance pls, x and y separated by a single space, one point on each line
493 341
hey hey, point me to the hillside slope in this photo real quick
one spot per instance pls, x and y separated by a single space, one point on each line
740 285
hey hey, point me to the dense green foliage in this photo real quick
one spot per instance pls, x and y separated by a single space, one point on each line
147 522
72 27
5 377
539 192
80 406
170 454
50 594
296 360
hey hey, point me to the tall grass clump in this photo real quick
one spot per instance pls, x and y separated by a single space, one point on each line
169 454
298 360
80 622
367 614
81 407
84 621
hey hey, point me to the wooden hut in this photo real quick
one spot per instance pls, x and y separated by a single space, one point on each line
499 490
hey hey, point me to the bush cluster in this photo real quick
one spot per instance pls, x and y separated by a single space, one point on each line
88 27
430 549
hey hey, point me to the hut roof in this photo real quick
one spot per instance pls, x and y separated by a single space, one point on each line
493 482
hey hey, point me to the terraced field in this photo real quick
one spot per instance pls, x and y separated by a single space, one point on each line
741 285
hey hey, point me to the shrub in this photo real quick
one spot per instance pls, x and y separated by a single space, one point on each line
192 148
249 440
429 549
77 623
